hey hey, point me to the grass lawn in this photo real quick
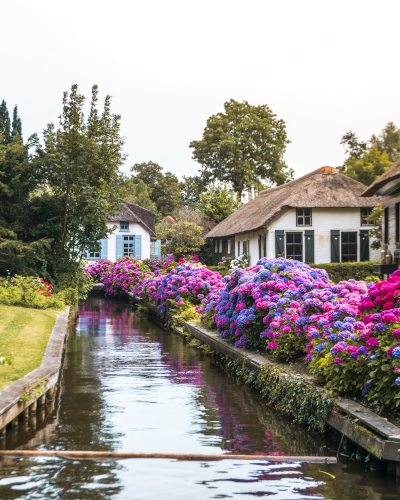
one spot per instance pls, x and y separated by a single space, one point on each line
24 332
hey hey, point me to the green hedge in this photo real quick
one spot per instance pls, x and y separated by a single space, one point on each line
343 271
223 271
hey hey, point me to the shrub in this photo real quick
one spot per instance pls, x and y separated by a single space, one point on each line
343 271
260 305
29 292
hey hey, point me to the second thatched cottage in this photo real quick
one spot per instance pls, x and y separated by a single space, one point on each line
318 218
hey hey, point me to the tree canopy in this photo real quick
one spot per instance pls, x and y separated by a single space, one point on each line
163 186
370 159
243 145
218 202
7 130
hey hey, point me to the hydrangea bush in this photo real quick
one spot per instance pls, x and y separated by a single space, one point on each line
349 332
260 305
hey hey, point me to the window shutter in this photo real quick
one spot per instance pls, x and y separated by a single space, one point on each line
309 236
103 252
265 244
364 245
138 246
279 242
118 250
259 246
335 251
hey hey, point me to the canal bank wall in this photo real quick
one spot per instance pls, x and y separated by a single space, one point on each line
359 426
22 398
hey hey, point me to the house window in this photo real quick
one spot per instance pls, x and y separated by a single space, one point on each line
220 246
124 226
94 255
238 248
386 226
229 247
303 217
216 246
349 247
294 246
129 246
366 212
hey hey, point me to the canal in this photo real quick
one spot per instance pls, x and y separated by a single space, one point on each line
130 386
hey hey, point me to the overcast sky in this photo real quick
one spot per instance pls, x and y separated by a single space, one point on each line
324 67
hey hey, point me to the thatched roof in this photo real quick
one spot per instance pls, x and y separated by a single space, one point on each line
135 213
323 188
387 177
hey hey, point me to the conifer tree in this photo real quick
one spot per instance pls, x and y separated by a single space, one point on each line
5 123
16 123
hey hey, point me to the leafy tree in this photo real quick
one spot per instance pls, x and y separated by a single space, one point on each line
368 167
5 129
184 238
164 187
376 231
20 252
136 191
16 123
219 202
388 141
354 147
243 145
80 162
191 188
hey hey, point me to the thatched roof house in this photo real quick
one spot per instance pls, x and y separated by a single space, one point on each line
388 186
324 200
133 235
386 183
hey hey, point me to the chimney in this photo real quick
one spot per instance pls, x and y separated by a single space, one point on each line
252 191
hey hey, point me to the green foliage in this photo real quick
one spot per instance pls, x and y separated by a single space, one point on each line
185 313
182 238
74 286
163 187
7 360
28 292
376 231
33 391
136 191
206 253
289 394
388 141
343 271
219 202
366 169
80 166
16 124
5 129
21 251
191 188
243 145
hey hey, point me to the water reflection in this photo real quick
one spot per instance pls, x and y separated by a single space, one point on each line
129 386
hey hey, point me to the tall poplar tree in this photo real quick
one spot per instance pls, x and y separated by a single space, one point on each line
16 123
5 128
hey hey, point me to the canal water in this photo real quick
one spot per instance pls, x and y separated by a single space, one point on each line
129 386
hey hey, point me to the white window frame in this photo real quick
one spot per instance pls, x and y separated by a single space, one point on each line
220 246
216 246
229 247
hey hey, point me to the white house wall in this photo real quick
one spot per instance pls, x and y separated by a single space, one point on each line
134 229
323 221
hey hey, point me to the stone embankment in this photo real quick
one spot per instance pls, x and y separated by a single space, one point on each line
357 424
21 399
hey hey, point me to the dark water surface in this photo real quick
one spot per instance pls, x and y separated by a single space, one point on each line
129 386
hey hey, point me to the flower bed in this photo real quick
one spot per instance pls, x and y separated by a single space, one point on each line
349 332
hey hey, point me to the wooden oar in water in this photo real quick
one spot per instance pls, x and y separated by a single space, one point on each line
115 455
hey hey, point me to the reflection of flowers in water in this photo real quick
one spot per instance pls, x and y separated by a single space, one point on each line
241 433
96 313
